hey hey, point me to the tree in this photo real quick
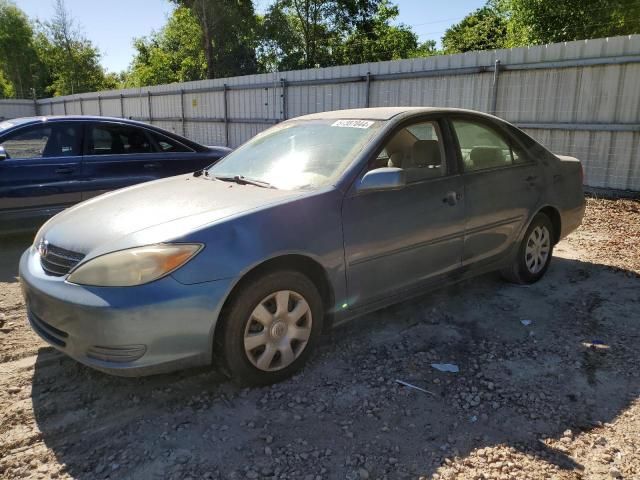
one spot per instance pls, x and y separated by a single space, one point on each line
18 56
547 21
228 35
6 88
319 33
72 60
483 29
298 34
375 39
174 54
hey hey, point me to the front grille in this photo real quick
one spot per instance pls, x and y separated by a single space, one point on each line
58 261
48 332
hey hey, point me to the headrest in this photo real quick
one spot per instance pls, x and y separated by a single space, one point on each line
486 157
426 153
395 160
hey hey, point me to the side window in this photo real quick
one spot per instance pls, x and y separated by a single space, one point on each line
166 144
481 147
531 148
43 141
418 149
118 140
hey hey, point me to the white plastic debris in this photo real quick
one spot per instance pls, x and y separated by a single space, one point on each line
526 323
445 367
406 384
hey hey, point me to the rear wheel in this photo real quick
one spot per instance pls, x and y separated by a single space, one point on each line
534 253
270 327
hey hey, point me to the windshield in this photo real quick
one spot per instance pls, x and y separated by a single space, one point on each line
295 155
5 125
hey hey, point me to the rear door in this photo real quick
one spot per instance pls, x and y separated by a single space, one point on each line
502 187
176 157
117 155
42 172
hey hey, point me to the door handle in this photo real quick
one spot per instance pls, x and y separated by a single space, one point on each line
152 165
64 170
531 178
452 198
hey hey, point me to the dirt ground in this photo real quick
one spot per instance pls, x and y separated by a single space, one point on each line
558 398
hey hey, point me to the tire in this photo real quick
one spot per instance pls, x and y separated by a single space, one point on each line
253 340
531 263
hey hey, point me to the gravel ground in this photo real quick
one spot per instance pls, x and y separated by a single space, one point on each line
556 398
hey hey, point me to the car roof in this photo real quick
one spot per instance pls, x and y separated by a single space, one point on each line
384 113
22 121
61 118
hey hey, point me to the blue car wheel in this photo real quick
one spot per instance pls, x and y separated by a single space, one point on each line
270 327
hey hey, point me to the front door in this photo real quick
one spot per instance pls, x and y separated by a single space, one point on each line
395 239
40 175
502 186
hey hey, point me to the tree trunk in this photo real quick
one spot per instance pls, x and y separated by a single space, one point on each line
206 37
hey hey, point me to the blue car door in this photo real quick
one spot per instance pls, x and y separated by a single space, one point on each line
40 172
177 158
396 240
117 155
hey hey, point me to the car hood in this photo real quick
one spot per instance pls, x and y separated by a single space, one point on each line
153 212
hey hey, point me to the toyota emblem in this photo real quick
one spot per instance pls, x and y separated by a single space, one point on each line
43 248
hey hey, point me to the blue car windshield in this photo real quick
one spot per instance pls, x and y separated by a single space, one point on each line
299 154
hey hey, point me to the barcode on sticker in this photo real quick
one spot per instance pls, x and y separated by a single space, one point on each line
352 123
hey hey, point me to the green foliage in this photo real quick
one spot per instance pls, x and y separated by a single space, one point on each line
72 60
174 54
318 33
547 21
377 40
18 56
6 88
483 29
228 35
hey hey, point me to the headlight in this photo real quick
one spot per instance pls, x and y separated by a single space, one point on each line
135 266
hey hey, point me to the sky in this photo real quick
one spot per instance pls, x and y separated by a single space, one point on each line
113 24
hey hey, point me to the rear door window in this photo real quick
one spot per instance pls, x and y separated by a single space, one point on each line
118 140
481 147
43 141
166 144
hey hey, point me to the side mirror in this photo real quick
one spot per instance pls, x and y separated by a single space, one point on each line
387 178
3 153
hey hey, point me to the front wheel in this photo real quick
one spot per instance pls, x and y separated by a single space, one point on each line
270 327
534 253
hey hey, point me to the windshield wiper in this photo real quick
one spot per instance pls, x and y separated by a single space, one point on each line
242 180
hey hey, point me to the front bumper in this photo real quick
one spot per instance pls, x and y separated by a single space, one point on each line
129 331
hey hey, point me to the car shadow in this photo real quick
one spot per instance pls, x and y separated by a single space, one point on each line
11 248
573 367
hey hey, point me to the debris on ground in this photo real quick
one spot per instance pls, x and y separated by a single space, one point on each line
406 384
446 367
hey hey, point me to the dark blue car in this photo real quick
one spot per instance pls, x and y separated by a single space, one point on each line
50 163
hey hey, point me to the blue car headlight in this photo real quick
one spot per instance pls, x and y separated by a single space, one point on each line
134 266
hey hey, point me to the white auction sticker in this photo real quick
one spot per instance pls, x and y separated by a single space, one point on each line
352 123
